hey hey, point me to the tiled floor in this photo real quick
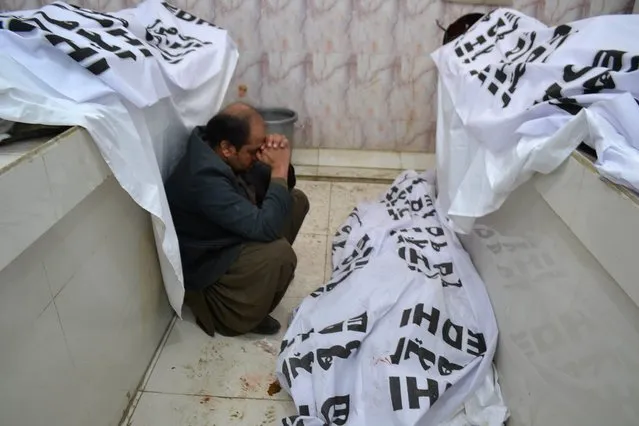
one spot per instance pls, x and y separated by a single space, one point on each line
198 380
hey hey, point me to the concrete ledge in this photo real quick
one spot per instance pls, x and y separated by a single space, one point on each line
42 185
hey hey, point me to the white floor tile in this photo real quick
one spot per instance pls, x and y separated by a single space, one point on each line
194 363
346 196
156 409
311 263
318 194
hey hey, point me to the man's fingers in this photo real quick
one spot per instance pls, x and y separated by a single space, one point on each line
268 141
276 141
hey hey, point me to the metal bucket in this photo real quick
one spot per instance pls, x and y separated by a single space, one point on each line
280 120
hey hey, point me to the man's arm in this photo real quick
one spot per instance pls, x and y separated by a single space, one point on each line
222 204
260 178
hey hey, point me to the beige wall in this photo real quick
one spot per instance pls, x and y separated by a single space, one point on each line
357 71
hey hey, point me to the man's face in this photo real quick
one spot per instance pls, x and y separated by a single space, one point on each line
243 159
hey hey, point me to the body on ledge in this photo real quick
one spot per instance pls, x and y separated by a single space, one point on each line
236 213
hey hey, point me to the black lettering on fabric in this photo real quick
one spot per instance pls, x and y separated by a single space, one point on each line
446 368
435 231
304 363
469 50
325 355
395 387
336 410
421 243
79 54
614 60
437 246
433 318
431 213
172 45
358 324
293 421
595 78
429 201
397 214
335 328
451 284
416 205
413 392
287 374
133 41
415 260
425 357
286 344
477 342
103 19
524 44
65 25
453 334
19 25
502 81
186 16
75 48
444 268
411 250
303 337
303 411
358 258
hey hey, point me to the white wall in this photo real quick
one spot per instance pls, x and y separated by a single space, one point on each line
569 332
82 308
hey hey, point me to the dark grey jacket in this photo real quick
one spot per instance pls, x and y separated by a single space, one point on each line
213 214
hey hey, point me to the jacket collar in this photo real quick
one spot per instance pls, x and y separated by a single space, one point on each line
202 156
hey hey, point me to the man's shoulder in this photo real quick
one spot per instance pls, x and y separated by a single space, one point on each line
200 166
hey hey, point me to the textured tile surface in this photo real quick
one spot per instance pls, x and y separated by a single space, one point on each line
311 262
346 196
188 410
194 363
318 194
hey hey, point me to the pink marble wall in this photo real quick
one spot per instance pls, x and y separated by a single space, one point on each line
358 72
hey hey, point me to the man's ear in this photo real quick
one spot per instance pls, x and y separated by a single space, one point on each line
227 149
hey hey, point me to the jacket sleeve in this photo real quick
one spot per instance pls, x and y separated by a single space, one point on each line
260 177
219 200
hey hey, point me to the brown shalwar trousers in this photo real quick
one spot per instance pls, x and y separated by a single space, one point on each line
254 285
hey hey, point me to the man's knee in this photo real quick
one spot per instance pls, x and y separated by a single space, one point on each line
301 199
280 251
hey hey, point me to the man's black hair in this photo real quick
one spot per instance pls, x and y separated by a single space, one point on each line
231 128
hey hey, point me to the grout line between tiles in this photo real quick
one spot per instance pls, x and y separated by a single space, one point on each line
128 417
329 231
220 397
156 355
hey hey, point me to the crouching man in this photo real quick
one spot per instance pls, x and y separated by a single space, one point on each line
236 214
